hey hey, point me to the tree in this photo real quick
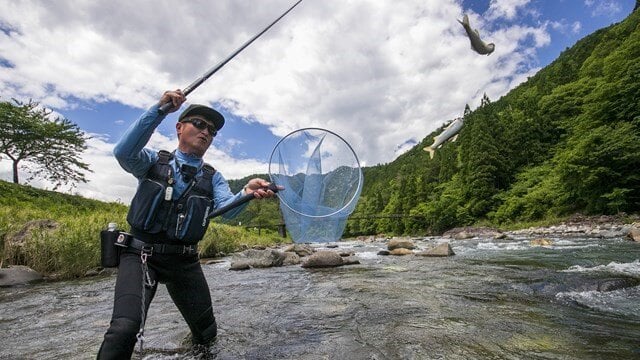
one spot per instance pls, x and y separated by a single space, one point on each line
485 100
467 109
45 148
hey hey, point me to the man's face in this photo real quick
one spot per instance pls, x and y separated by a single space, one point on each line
192 139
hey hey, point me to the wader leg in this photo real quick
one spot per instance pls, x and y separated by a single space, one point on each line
190 292
120 338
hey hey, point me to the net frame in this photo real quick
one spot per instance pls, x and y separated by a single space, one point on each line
354 197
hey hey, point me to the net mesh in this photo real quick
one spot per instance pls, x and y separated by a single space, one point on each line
322 181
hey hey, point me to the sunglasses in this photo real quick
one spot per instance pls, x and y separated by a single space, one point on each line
201 125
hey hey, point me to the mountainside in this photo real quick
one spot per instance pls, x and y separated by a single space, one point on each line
565 141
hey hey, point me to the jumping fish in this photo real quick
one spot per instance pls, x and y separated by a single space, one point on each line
451 131
477 44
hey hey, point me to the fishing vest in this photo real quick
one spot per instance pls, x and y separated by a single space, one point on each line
154 211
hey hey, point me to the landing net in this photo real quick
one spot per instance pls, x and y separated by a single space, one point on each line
322 182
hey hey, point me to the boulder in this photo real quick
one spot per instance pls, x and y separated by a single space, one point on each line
350 260
240 265
634 234
257 259
322 259
400 243
468 232
300 249
25 232
14 243
291 258
541 242
18 275
400 252
443 249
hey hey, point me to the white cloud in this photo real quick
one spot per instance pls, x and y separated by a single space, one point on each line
603 7
379 73
507 9
565 27
576 27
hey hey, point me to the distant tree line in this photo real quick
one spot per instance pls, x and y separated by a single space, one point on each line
565 141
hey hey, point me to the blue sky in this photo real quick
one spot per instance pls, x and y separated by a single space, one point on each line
381 74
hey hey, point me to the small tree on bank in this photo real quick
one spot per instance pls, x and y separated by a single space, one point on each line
48 149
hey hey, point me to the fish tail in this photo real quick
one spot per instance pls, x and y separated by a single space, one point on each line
430 150
465 20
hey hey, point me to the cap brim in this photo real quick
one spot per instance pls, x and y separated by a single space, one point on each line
208 113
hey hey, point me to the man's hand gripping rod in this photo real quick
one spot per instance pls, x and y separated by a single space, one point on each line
240 201
164 108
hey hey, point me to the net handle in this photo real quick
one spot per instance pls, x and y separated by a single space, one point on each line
360 177
241 200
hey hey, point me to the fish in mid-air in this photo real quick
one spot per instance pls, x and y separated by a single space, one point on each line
451 131
477 44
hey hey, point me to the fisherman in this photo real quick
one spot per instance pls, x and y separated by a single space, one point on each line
168 216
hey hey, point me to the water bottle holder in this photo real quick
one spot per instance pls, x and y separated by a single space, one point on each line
109 253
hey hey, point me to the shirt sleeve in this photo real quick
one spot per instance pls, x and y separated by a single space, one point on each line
130 151
222 196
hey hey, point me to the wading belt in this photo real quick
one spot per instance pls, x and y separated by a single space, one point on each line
164 249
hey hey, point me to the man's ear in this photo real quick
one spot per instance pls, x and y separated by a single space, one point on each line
179 129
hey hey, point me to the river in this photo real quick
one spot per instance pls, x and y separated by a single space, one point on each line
495 299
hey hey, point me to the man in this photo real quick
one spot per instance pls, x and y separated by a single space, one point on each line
168 216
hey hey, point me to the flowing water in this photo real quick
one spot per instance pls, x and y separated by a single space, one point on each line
495 299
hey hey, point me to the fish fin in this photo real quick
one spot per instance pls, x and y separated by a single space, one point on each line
464 21
430 150
455 137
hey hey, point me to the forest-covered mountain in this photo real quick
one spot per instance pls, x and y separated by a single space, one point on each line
565 141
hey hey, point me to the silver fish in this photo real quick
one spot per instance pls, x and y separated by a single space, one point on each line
451 131
477 44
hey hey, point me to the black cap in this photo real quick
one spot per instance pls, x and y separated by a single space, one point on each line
208 113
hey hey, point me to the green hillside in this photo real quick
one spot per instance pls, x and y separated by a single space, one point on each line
565 141
69 245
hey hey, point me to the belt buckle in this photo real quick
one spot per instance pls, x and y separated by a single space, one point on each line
147 249
187 249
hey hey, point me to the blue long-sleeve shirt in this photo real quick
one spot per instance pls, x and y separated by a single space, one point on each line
137 160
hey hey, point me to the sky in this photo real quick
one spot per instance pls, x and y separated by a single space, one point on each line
381 74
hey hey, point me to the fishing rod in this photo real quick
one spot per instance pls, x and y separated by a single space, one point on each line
164 108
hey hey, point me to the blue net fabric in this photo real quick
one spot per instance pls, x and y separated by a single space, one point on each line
322 182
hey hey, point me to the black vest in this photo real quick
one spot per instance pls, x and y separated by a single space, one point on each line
154 212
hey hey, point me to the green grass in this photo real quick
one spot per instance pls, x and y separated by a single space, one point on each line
73 247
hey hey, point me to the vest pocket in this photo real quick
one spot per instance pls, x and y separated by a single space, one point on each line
192 222
145 204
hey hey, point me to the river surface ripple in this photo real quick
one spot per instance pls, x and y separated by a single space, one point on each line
495 299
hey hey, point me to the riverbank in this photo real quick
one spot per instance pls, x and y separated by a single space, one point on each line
494 299
604 226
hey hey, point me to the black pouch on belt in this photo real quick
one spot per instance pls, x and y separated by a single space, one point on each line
109 251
